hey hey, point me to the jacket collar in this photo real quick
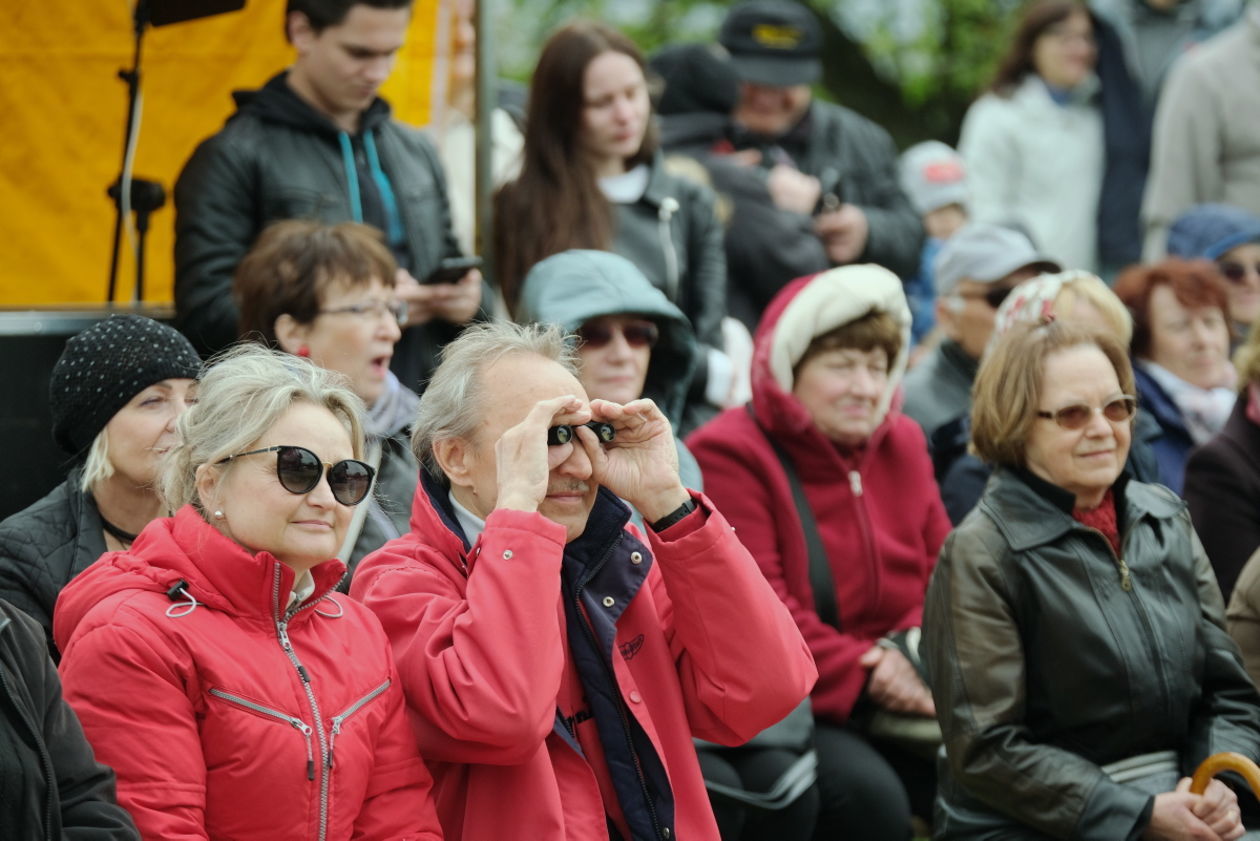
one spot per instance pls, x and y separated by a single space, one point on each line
1027 515
659 186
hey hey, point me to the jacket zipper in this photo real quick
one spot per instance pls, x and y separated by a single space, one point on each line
863 519
669 206
1126 584
282 633
294 722
621 704
338 720
45 761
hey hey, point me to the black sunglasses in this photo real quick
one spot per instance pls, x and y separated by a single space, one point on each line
564 433
299 471
993 296
638 333
1236 273
1076 416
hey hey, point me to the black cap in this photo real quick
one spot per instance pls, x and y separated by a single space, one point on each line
773 42
105 366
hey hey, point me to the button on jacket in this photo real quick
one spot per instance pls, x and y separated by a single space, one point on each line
1045 666
226 714
699 646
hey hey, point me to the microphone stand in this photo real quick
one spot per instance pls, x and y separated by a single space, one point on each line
122 185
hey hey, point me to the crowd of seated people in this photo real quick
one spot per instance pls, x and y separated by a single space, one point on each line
766 486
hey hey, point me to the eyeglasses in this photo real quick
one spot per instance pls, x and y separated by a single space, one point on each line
375 308
1236 273
299 471
564 433
993 296
1076 416
638 334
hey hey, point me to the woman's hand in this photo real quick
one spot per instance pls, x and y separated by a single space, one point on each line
1181 816
894 684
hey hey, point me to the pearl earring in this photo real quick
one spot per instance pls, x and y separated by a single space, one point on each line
218 515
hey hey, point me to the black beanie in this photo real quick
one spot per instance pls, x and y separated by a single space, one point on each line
105 366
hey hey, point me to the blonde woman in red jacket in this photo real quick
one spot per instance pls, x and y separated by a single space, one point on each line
830 352
213 666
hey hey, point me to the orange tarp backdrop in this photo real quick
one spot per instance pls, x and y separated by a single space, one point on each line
65 112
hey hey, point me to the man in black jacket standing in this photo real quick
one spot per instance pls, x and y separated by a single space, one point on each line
862 215
317 142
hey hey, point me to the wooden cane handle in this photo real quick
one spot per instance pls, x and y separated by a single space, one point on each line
1218 762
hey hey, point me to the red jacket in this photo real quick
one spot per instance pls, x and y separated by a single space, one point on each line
209 722
878 511
702 648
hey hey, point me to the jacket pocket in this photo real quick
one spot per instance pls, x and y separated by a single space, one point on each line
267 712
338 720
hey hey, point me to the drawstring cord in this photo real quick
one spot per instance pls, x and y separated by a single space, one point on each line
384 187
352 176
180 609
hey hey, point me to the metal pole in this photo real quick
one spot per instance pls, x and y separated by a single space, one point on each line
487 96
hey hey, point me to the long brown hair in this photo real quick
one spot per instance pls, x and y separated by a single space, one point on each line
556 203
1036 18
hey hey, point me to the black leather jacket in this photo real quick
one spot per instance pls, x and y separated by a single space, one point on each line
53 787
45 545
1050 657
277 158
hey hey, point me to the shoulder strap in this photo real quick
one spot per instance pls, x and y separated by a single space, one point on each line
820 580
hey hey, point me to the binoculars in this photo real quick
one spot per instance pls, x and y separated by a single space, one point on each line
564 433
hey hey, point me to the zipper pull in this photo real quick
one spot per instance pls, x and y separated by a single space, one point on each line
282 632
332 740
1126 583
855 482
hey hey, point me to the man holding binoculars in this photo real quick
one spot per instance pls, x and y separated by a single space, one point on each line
556 662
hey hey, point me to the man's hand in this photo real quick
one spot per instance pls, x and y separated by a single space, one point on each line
844 232
524 460
894 684
790 189
454 302
1181 816
641 463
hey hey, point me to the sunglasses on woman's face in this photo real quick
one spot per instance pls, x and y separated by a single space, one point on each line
993 296
299 471
1076 416
637 333
1236 273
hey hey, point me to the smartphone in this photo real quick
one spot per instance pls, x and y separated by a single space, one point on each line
452 269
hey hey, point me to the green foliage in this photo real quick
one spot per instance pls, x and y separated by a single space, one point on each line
913 67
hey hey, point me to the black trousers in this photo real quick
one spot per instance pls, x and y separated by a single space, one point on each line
757 769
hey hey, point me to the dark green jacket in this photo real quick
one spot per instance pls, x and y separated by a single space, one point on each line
1045 666
53 787
277 158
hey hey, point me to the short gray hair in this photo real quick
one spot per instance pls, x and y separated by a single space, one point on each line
451 404
242 394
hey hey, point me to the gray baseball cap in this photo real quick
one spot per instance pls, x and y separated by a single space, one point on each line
985 253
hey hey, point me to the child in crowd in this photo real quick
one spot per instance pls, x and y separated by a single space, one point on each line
934 180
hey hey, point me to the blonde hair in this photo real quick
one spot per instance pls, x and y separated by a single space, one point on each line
1247 358
242 394
1007 393
97 467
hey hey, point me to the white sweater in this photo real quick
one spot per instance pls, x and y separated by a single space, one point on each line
1034 162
